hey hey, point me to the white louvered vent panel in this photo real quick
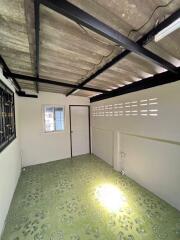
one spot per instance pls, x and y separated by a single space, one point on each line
142 108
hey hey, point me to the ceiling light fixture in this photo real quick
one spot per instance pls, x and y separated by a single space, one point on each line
166 31
77 90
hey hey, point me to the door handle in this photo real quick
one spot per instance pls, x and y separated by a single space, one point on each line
71 132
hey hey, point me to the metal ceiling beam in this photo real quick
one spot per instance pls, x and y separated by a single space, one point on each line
37 28
148 37
52 82
156 80
76 14
24 94
7 72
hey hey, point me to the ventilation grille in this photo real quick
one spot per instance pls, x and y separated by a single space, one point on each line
143 108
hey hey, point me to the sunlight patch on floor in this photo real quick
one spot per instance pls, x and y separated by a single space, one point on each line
110 197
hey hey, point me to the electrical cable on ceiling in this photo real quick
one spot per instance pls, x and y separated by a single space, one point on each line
132 30
150 17
111 45
97 64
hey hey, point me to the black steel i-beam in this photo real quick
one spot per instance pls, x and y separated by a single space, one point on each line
7 72
76 14
24 94
52 82
148 37
37 28
156 80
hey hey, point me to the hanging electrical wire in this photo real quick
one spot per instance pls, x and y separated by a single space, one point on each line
150 17
130 32
100 41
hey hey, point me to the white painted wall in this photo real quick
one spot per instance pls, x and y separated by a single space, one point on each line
10 167
147 148
102 144
37 146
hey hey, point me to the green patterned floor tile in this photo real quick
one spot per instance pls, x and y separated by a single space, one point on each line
59 201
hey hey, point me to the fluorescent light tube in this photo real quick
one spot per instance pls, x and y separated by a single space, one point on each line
166 31
77 90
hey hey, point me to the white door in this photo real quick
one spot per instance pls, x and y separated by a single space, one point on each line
79 130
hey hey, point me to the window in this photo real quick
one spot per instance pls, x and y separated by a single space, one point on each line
7 116
53 118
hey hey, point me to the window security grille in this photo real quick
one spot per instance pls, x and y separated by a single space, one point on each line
7 116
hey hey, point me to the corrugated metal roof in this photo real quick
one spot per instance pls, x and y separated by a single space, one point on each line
70 53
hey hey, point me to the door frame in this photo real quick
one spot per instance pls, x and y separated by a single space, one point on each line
89 118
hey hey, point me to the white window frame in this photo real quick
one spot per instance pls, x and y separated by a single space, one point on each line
43 118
